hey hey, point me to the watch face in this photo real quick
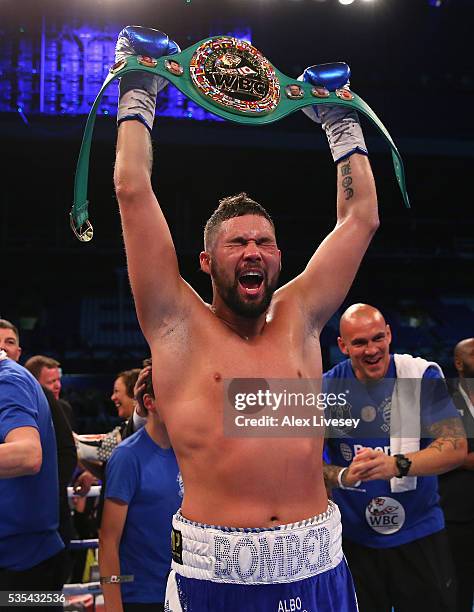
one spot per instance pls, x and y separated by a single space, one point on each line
403 465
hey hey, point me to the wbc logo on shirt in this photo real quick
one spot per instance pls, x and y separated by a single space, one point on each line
385 515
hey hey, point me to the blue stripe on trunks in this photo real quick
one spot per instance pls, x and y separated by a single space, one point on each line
331 591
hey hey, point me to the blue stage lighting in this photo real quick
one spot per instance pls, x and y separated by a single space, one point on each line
60 71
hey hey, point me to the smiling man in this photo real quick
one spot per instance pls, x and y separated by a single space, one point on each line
384 476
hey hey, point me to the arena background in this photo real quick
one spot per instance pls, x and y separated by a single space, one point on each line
411 61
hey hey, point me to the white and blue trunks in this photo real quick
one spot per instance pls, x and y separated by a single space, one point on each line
289 568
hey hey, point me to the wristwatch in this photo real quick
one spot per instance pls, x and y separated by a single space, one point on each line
403 465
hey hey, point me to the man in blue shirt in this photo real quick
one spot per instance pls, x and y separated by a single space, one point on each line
142 494
30 545
383 474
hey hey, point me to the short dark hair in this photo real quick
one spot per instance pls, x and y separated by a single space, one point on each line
4 324
149 379
36 363
148 384
129 378
232 206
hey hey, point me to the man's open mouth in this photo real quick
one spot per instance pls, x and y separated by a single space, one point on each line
251 281
372 362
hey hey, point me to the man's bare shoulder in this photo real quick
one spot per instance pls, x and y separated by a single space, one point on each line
291 301
288 301
182 318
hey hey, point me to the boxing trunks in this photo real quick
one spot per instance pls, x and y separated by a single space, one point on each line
289 568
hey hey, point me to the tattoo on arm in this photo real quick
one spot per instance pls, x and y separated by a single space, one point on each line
448 434
150 155
330 473
346 169
347 180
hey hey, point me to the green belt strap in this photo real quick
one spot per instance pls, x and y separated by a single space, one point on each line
79 214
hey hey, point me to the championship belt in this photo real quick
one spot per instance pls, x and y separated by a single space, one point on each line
232 79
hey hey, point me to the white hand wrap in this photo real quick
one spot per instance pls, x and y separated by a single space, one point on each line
137 90
343 131
342 128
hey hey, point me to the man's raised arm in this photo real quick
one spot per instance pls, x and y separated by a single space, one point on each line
151 256
329 274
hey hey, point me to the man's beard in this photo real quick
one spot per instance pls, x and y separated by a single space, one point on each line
468 374
231 297
467 371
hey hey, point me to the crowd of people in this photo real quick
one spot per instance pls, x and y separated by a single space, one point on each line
408 540
256 523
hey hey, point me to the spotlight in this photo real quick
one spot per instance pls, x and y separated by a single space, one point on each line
346 1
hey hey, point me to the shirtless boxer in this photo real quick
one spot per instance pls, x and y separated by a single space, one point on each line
255 531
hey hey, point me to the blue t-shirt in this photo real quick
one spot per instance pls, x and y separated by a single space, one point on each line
28 504
146 477
378 517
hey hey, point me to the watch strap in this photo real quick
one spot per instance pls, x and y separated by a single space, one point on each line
116 579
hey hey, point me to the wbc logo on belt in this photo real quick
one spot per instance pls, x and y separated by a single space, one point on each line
231 73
